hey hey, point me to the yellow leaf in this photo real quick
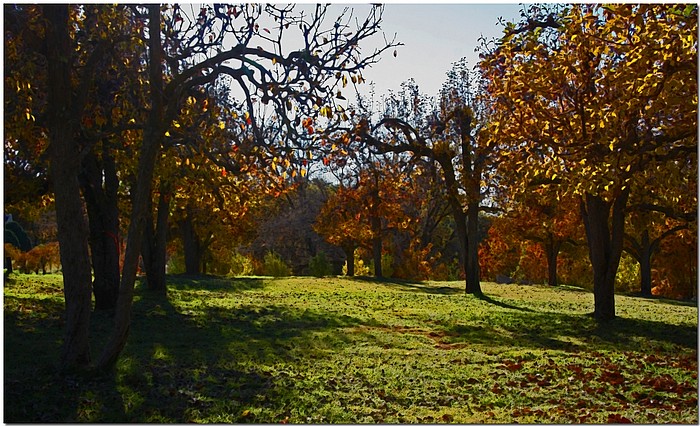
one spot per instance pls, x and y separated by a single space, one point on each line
222 125
303 172
167 134
176 124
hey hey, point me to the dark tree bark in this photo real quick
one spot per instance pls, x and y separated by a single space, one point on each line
643 251
645 272
466 228
192 246
376 225
152 138
103 216
64 157
605 226
8 265
552 248
349 250
472 270
154 245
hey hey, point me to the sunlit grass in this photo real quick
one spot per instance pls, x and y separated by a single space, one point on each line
342 350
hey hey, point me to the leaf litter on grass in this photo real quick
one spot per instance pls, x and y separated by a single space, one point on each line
304 350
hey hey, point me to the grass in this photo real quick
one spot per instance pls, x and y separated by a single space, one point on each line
335 350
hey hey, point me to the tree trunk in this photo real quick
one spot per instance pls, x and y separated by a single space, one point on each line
191 246
461 232
643 251
552 248
376 223
152 138
103 216
64 157
605 241
154 247
349 250
471 266
646 250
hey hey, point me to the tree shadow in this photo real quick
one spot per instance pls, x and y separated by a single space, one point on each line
570 332
410 285
214 283
177 362
664 300
488 299
183 362
38 391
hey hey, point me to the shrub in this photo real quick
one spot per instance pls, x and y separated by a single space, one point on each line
241 265
532 266
574 267
45 257
628 277
360 267
448 271
176 264
415 263
387 265
16 235
274 266
319 266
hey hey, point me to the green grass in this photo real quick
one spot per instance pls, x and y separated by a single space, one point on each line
332 350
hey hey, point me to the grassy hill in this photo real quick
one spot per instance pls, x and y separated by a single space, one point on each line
306 350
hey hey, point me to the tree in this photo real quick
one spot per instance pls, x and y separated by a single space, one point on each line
545 218
180 53
339 222
451 135
656 215
288 227
588 97
64 103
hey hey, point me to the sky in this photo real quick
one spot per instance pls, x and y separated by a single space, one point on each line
435 37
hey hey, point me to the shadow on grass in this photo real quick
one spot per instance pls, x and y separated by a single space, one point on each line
214 283
182 364
501 304
409 285
35 391
663 300
178 365
570 332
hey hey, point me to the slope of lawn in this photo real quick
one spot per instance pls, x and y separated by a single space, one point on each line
306 350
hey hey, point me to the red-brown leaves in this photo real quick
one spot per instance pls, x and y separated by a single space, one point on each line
616 418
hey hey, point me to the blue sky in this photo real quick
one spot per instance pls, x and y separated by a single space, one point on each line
435 36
